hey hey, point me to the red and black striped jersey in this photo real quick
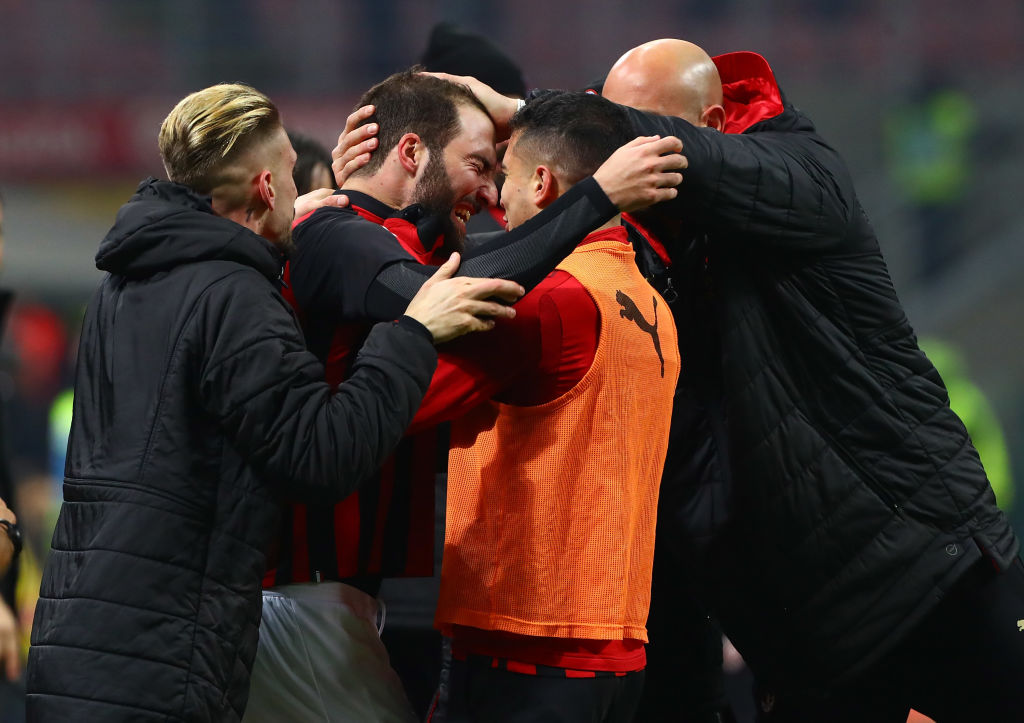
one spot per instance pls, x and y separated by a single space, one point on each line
386 529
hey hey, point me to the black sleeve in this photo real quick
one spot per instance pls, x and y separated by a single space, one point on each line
269 396
785 189
337 257
526 254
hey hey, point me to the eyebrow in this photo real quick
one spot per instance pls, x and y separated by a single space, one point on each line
486 162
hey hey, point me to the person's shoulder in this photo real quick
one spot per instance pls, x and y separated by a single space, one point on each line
559 290
334 226
243 301
225 282
561 285
325 219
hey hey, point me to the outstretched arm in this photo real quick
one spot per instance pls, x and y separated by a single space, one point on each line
788 188
268 395
641 173
778 188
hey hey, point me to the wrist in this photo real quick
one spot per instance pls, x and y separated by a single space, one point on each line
415 326
502 115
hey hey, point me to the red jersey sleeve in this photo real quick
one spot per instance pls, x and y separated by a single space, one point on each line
531 359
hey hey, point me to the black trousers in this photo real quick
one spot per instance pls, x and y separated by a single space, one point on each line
476 693
684 682
963 664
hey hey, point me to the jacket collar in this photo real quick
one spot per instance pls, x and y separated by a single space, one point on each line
367 206
424 241
167 224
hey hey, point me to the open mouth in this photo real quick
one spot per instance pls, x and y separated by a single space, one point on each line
462 212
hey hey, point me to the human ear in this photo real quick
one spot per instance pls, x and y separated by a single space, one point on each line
265 188
714 117
544 186
410 152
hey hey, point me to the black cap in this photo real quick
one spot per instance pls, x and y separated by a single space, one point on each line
454 50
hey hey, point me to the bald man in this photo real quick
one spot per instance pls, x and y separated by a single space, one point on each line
820 494
688 87
843 499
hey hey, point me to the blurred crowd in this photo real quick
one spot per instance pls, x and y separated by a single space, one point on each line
928 147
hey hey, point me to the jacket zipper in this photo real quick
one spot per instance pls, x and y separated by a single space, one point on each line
873 484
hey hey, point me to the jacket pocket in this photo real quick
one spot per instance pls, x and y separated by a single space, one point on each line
870 481
77 489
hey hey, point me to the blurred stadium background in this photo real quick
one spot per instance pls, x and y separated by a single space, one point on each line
923 98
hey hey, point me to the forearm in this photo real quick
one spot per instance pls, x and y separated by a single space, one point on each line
351 433
270 398
776 188
525 255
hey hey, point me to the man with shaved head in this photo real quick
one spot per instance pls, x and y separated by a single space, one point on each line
823 499
688 86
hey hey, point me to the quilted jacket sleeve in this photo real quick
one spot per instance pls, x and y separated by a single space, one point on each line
778 184
268 393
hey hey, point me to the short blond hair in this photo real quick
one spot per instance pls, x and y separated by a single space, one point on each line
210 128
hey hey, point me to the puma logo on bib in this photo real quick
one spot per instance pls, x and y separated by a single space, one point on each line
630 312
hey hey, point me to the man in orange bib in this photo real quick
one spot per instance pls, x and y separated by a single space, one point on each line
553 484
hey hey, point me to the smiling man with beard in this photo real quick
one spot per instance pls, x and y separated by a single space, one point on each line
319 646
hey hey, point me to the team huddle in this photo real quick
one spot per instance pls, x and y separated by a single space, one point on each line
678 384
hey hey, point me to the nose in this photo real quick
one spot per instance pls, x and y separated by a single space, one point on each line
487 195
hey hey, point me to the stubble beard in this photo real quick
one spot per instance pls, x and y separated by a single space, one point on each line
435 194
286 244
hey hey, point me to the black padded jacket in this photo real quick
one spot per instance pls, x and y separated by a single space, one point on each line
196 403
821 489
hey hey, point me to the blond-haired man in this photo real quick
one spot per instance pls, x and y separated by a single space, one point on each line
195 404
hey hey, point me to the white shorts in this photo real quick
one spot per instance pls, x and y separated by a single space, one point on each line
320 658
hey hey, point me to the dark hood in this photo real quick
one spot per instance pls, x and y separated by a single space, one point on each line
166 225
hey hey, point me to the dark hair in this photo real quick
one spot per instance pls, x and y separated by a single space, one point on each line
410 102
310 154
572 130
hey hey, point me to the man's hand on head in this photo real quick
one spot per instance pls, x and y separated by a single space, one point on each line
500 107
355 144
643 172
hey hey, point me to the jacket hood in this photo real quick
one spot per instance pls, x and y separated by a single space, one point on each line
749 90
166 225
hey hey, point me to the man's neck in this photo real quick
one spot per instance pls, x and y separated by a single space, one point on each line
241 216
378 187
615 220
